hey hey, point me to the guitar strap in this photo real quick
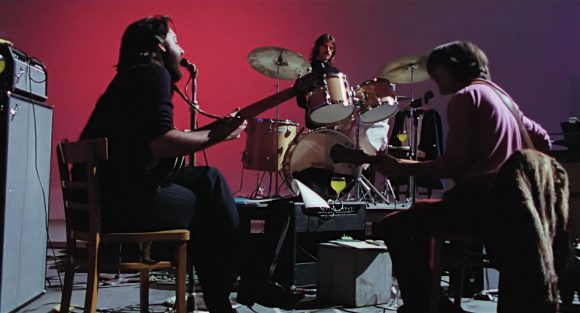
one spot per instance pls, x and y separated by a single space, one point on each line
511 107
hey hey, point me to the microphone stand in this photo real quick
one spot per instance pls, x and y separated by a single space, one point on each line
414 138
415 112
193 112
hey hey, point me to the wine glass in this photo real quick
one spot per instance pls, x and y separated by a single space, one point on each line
402 136
338 184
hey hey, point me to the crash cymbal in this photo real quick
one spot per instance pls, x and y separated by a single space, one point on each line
267 60
401 70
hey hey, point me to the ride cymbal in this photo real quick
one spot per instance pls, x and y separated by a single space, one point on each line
406 70
279 63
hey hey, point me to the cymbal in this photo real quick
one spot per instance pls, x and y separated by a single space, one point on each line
400 70
268 60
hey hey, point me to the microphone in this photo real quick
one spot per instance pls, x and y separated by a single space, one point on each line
417 103
191 68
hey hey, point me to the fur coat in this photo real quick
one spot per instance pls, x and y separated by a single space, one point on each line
529 219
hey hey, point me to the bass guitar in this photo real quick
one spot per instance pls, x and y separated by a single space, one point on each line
164 167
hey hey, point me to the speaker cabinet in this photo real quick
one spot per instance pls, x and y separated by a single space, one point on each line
25 150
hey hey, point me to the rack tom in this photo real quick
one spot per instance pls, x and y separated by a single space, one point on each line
377 100
331 103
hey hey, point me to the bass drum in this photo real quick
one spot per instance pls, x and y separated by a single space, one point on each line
308 160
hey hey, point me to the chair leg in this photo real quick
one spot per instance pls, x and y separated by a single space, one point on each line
69 276
144 290
92 276
436 270
181 259
459 291
190 289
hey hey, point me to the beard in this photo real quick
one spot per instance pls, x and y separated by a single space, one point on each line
171 63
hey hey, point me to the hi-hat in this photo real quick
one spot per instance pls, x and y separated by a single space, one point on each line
406 70
278 63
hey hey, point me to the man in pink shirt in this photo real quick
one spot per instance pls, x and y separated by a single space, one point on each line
482 134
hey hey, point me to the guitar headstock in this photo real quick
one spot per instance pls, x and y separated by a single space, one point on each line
308 82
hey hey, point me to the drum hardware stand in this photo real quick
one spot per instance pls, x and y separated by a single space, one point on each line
279 62
388 187
361 181
258 192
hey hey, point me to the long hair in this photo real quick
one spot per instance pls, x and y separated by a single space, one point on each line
465 60
319 42
141 39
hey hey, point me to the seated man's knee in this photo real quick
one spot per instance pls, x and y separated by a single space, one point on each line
395 225
214 173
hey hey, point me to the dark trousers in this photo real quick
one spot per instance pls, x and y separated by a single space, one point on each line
198 199
408 236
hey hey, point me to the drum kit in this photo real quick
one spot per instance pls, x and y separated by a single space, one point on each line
276 146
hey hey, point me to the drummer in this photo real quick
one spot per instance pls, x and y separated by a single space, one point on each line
372 137
321 58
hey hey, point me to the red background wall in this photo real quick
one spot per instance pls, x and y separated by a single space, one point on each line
533 47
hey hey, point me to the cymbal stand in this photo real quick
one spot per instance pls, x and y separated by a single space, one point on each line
278 63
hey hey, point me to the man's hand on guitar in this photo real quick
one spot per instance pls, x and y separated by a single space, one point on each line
231 127
238 131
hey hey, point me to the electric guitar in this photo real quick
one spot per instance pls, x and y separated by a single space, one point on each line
164 167
303 85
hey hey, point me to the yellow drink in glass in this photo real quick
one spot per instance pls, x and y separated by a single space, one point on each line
402 136
338 184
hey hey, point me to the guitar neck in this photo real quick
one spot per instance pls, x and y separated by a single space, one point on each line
258 107
267 103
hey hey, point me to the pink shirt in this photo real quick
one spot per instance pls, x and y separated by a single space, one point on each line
482 134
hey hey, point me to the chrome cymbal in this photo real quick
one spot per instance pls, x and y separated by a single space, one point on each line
406 70
279 63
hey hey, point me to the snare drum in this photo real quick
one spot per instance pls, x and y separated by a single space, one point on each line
267 142
331 103
377 100
308 160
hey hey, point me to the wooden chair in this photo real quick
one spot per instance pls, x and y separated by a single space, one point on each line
82 213
526 229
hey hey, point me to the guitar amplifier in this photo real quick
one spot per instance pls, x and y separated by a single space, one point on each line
25 150
21 74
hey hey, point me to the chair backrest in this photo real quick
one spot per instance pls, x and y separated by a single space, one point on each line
80 187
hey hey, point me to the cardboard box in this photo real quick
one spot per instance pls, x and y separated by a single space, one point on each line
353 273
